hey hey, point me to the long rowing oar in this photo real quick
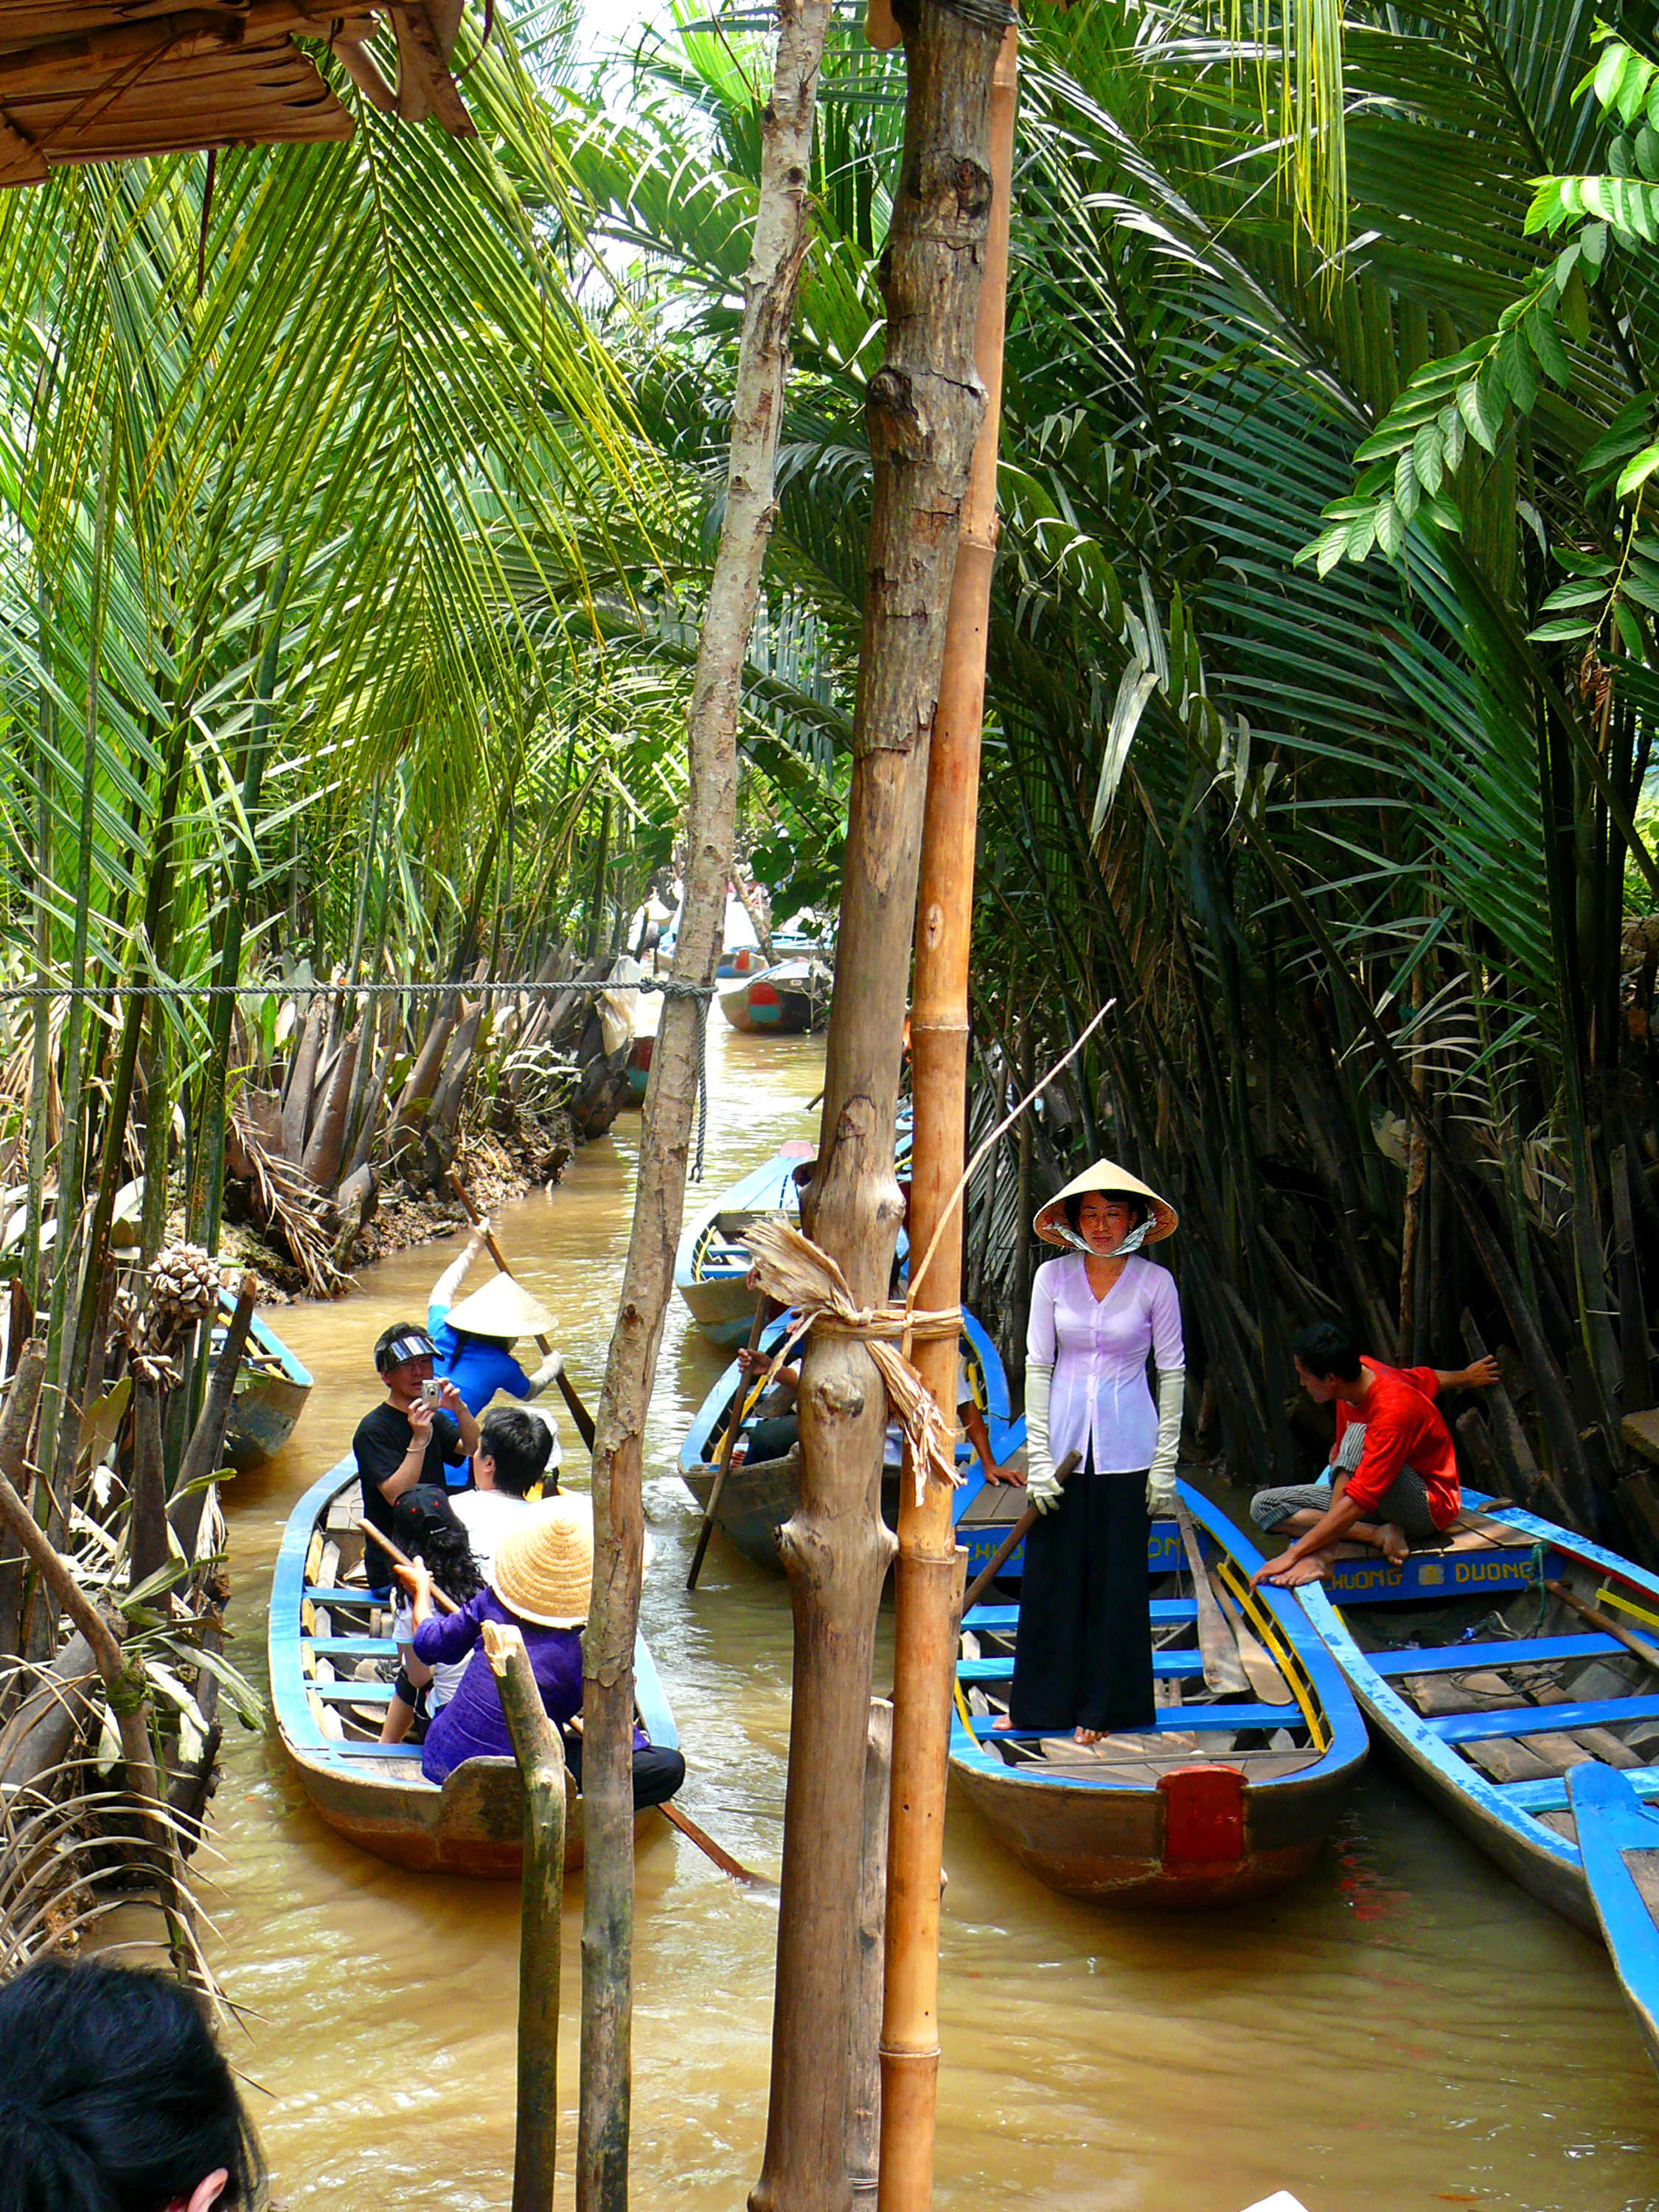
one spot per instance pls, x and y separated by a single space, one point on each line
1266 1679
1014 1537
687 1827
579 1413
1223 1671
728 1444
1638 1644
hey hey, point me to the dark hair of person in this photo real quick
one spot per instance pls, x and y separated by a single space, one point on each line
1139 1207
115 2097
1325 1347
520 1446
425 1526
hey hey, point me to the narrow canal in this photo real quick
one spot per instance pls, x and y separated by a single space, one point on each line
1404 2029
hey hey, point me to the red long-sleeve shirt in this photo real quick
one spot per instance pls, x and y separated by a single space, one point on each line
1402 1429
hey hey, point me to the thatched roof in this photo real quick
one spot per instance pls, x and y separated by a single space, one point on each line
95 80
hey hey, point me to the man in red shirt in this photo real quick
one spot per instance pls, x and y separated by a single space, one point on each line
1394 1473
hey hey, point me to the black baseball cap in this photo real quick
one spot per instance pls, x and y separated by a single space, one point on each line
404 1340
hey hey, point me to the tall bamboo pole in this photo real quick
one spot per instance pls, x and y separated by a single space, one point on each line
925 1627
783 233
923 407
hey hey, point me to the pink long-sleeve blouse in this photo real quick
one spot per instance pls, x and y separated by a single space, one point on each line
1099 1349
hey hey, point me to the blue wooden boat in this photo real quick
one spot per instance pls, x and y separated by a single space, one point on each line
271 1389
1223 1799
1619 1837
711 1268
1491 1689
324 1623
757 1497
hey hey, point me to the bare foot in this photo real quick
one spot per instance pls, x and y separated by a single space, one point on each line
1391 1542
1314 1568
1087 1736
1002 1721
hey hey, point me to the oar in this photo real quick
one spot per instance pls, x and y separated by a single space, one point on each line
1266 1679
687 1827
1222 1671
579 1413
1639 1645
728 1444
1014 1537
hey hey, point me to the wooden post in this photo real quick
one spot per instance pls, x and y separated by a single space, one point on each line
539 1749
923 406
924 1632
782 230
864 2091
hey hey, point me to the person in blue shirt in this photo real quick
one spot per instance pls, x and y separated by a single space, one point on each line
475 1339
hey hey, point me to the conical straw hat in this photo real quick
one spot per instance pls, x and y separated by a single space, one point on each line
543 1570
503 1309
1105 1175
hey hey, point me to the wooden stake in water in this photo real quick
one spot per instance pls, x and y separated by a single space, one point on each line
540 1752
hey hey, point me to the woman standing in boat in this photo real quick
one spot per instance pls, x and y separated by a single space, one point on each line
1084 1659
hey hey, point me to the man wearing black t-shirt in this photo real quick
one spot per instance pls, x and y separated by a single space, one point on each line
407 1440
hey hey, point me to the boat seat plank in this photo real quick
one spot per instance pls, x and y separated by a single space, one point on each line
1503 1762
1166 1665
336 1594
353 1693
1453 1658
1166 1612
1538 1720
1201 1720
1550 1797
351 1647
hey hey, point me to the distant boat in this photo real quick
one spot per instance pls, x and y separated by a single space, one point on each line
323 1625
784 1001
711 1268
757 1497
1491 1688
1619 1837
271 1389
1221 1801
639 1067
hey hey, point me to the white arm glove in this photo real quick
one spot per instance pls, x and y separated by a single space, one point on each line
1161 1475
444 1290
1041 1484
546 1375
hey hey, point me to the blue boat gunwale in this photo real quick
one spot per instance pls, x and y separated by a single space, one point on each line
291 1708
762 1190
1333 1699
1398 1718
293 1368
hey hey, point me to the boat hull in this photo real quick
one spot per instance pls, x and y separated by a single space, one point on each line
269 1400
755 1502
1619 1837
779 1002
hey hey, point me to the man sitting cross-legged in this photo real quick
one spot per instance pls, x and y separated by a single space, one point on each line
1395 1473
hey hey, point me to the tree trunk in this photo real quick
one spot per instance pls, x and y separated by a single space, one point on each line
207 1440
927 1590
924 408
864 2094
782 221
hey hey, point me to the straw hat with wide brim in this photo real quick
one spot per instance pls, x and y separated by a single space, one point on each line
543 1570
502 1309
1105 1175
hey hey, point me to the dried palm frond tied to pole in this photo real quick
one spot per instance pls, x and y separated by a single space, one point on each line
924 407
782 230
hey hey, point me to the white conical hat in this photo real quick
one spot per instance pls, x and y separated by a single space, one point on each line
503 1309
1106 1175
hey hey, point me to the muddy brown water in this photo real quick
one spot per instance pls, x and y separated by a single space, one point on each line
1402 2029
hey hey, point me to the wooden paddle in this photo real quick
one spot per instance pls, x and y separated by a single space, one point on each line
579 1413
1223 1671
1266 1679
688 1827
1637 1644
728 1445
1011 1542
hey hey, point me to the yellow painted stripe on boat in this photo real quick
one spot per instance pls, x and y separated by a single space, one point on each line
962 1713
1284 1654
1622 1604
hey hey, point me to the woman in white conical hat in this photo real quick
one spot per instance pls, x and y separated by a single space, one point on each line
1083 1665
475 1339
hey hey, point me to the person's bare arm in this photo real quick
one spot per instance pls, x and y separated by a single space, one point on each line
973 1424
453 1403
407 1473
1480 1375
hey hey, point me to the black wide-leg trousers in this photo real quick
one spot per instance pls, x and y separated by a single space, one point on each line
1085 1654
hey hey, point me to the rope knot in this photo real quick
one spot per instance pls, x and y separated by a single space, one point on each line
801 1275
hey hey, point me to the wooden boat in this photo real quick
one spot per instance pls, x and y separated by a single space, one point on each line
272 1390
1491 1688
323 1625
711 1268
1619 1837
782 1001
639 1067
1224 1800
757 1497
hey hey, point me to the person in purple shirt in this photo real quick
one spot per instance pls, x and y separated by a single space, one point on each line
538 1582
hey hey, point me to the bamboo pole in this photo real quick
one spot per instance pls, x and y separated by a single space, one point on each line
783 231
539 1749
925 1622
924 407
